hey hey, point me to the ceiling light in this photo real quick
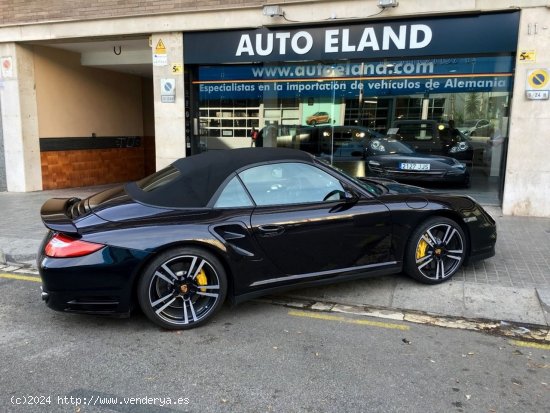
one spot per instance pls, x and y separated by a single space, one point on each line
383 4
273 11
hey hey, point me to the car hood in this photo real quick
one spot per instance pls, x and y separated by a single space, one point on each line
397 188
394 188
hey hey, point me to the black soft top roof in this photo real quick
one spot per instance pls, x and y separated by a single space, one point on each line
201 175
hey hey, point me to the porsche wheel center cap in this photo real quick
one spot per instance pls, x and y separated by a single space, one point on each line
438 251
184 288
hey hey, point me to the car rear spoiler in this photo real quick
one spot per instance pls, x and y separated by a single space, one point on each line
55 214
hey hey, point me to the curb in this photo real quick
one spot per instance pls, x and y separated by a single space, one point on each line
526 332
27 260
16 265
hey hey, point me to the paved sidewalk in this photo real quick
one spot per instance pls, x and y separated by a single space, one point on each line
512 286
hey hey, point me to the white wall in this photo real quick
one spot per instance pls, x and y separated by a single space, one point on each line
20 121
527 181
169 117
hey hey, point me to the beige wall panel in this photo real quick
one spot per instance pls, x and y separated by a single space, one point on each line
527 185
74 100
169 117
20 121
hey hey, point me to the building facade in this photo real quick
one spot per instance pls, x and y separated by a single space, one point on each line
106 91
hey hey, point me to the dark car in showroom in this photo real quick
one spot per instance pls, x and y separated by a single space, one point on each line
242 223
361 151
433 138
389 158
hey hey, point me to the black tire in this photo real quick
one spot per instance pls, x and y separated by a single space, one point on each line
182 288
435 251
313 122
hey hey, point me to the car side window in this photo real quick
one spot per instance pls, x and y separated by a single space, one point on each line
233 196
290 183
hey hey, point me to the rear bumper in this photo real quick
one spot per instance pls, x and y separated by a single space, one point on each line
98 283
81 302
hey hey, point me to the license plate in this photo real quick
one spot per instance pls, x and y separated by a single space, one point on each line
415 166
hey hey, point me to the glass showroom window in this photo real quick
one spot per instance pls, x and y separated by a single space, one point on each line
288 103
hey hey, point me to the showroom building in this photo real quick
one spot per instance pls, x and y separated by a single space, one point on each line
106 92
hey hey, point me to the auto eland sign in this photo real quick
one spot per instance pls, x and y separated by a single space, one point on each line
370 39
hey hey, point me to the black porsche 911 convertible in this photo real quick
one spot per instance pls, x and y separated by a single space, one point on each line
242 223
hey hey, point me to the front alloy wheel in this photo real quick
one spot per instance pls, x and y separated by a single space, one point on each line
436 251
182 288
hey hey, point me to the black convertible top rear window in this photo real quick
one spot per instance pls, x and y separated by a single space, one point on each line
158 179
191 182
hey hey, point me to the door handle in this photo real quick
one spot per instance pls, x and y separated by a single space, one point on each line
271 230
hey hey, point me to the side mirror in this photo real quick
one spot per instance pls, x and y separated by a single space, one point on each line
350 196
348 199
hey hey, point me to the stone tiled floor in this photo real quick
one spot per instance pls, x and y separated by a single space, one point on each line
522 254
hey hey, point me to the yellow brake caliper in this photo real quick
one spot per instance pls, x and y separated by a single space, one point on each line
201 279
421 249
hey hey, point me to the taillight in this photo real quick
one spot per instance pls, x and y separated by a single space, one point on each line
63 246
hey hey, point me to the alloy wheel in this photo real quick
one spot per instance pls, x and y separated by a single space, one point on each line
440 251
180 291
436 250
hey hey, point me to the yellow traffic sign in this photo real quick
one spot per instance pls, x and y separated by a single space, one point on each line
177 68
160 48
527 56
538 79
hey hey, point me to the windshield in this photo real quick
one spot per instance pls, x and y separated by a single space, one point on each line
370 187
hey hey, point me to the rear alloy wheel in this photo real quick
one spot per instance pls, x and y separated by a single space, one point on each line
182 288
436 250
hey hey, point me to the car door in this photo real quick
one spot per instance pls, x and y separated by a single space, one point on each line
307 230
